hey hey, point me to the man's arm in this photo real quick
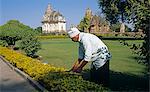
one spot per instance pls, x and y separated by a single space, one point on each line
80 66
76 64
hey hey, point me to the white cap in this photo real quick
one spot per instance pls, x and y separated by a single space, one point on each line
73 32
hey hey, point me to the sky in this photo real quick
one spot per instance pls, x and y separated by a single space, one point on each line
30 12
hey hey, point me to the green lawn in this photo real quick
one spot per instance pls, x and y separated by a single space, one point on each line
62 53
125 72
59 52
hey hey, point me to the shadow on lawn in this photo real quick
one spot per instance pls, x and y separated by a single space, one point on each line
124 82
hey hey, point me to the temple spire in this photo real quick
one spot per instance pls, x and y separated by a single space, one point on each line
48 10
88 13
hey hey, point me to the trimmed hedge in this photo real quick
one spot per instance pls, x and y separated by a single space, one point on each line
52 37
52 78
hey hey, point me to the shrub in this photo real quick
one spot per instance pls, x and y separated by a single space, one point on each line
3 43
30 45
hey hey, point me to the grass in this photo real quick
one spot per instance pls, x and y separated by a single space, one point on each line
62 53
123 58
125 72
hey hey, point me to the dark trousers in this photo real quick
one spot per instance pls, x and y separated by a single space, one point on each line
101 75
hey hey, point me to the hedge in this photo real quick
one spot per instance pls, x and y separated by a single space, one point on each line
52 36
52 78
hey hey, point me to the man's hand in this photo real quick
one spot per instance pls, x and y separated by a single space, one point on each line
78 66
78 70
75 66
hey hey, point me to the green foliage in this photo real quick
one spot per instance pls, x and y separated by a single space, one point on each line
30 43
114 10
38 29
127 29
140 15
84 24
65 81
116 27
3 43
136 12
12 31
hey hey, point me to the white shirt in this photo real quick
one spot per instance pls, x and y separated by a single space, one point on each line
89 47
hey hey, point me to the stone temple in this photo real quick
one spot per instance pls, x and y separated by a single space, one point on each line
53 21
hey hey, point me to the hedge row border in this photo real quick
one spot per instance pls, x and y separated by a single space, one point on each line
120 38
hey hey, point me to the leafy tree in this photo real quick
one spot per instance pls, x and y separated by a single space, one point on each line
84 24
38 29
12 31
115 10
140 15
81 26
116 27
102 20
134 11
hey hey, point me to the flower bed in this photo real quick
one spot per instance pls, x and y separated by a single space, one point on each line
52 78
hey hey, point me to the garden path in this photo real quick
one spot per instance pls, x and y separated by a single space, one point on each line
10 81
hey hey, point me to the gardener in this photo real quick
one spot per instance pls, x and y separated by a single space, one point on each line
91 48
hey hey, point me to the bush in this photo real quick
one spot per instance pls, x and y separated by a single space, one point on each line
53 78
3 43
30 46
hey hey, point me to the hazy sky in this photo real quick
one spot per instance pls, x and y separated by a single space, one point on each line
30 12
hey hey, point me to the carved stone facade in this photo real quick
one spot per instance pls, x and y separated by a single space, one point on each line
97 26
95 23
53 21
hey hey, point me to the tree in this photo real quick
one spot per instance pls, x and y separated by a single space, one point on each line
84 24
81 26
115 10
12 31
140 15
136 12
102 20
38 29
116 27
